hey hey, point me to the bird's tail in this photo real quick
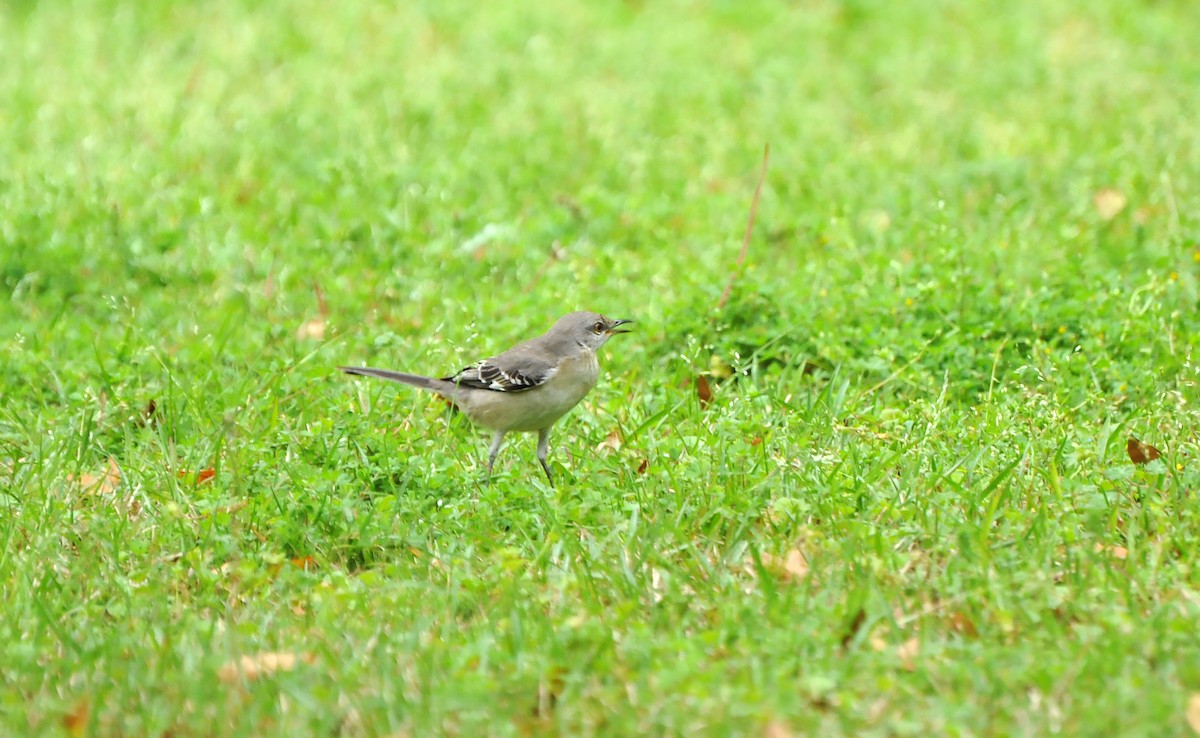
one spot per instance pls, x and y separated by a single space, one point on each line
440 386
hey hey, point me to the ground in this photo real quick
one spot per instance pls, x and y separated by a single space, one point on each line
903 507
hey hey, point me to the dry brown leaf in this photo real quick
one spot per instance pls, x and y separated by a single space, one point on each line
198 477
1141 453
960 623
1117 552
149 416
703 391
612 442
548 691
76 721
1193 713
311 330
307 563
256 666
104 483
777 729
1109 202
854 626
907 652
792 566
322 305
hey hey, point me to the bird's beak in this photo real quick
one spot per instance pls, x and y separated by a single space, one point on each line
612 329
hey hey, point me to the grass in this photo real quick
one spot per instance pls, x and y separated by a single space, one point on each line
974 274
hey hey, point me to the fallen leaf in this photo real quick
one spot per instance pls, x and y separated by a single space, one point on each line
612 442
907 652
642 467
1117 552
703 391
76 720
322 306
100 484
960 623
1193 713
307 563
256 666
313 329
1141 453
855 625
777 729
549 688
148 414
199 477
1109 203
792 566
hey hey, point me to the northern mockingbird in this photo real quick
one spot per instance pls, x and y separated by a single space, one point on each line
526 388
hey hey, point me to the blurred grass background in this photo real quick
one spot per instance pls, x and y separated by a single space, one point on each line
974 272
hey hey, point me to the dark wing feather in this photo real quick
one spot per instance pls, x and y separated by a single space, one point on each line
490 375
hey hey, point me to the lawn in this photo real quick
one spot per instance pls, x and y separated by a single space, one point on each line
903 508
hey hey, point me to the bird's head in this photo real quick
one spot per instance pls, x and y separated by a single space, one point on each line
587 329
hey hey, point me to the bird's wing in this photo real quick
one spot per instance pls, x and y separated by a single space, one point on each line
502 374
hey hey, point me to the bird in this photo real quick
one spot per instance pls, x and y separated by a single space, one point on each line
526 388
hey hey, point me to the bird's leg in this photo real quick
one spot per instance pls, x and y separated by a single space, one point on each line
493 451
543 448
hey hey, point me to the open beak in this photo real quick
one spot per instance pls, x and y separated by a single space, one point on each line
612 329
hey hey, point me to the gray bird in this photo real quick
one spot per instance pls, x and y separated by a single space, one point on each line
528 387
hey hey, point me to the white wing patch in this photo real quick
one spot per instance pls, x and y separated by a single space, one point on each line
490 376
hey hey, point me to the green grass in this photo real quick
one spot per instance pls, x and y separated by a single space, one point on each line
938 348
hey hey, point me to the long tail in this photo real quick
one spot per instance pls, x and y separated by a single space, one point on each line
440 386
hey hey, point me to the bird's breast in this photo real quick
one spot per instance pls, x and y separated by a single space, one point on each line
579 373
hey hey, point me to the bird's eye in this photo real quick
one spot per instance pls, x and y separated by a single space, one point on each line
598 328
